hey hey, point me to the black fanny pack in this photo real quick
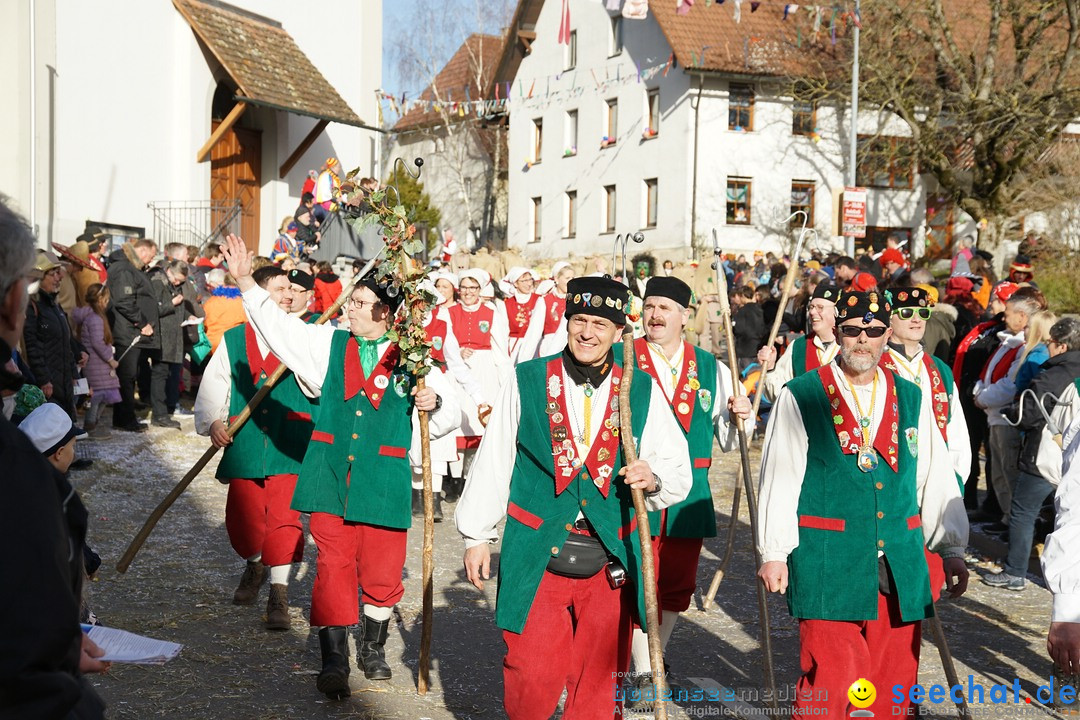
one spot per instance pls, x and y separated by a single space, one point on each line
582 556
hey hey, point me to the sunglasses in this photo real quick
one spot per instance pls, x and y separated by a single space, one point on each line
854 331
906 313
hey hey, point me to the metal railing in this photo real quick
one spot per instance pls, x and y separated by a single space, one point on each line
194 222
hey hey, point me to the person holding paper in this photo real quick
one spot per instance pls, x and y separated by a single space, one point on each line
43 652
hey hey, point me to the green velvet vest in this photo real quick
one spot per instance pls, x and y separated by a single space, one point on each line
350 434
275 437
538 521
695 516
846 516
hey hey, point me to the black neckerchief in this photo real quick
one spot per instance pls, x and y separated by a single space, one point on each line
899 347
592 374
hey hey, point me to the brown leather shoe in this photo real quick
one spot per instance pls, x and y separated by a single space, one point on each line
250 582
277 608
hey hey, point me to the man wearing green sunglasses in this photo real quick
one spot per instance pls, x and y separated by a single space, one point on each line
905 355
912 308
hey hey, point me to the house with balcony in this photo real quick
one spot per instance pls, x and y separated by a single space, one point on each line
182 120
677 125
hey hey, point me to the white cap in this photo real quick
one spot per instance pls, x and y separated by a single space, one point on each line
48 427
444 275
557 267
515 273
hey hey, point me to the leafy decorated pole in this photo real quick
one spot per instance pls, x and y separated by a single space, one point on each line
408 333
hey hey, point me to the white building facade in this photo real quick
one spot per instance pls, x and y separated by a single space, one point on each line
113 101
693 150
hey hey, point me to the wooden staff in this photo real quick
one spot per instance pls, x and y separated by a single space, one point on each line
744 453
234 427
648 570
428 552
947 663
789 284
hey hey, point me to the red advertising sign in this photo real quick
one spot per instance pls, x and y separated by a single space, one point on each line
853 212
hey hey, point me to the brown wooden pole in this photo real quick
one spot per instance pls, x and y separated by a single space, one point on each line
789 284
648 570
947 662
751 499
148 526
428 553
428 569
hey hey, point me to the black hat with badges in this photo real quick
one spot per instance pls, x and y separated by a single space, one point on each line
671 288
910 297
865 306
600 296
826 291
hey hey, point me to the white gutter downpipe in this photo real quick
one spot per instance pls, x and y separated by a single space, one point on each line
33 117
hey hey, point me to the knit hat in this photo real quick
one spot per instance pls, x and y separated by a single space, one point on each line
1004 290
909 297
49 428
892 255
599 296
28 398
867 306
863 282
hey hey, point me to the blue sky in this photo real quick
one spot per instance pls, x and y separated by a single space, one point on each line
399 20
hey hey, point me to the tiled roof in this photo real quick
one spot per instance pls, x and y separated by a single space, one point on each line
264 61
762 43
472 66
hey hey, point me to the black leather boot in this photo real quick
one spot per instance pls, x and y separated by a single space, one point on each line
371 655
418 503
333 681
436 499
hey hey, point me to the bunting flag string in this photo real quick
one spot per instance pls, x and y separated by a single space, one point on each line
504 97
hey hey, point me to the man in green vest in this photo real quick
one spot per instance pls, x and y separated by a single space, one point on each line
904 355
569 571
697 389
367 405
261 462
856 481
807 352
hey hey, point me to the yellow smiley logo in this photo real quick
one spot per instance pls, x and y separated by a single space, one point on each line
862 693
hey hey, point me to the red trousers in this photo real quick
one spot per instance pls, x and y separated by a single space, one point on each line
834 654
259 520
937 573
676 570
577 637
351 555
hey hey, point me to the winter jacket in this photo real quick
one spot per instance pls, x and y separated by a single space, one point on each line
994 396
133 304
171 316
940 330
39 665
91 329
50 349
327 290
1031 366
224 310
748 326
1054 376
